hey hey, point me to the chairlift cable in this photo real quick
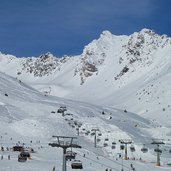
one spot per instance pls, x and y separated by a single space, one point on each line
110 159
99 163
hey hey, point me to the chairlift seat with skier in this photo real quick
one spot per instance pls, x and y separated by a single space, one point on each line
122 147
132 149
76 164
113 147
70 155
144 149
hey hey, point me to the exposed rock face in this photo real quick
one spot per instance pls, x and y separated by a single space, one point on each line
44 65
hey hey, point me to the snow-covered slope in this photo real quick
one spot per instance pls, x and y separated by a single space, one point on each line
30 117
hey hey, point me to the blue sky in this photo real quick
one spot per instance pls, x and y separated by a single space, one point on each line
64 27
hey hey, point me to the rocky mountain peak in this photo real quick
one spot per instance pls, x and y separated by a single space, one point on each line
106 34
47 56
43 65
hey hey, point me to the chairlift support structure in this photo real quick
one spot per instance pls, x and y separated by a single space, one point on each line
158 142
95 130
64 145
125 142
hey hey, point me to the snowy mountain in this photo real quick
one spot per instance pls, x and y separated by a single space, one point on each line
119 84
133 69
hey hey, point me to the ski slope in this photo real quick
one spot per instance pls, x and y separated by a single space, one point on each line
30 117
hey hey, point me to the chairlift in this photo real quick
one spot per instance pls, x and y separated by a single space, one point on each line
70 155
113 147
98 139
93 133
132 148
86 133
113 143
99 134
157 150
76 164
144 149
106 139
122 147
63 108
59 110
105 145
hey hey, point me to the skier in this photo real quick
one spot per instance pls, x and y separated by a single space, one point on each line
53 168
8 157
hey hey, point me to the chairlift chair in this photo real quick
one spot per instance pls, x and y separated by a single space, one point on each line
93 133
113 147
99 134
105 145
59 110
106 139
98 139
86 133
144 149
76 164
132 148
122 147
157 150
70 155
113 143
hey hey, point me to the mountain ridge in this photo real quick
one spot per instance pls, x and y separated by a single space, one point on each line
106 70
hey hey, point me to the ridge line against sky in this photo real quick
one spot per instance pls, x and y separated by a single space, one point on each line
64 27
